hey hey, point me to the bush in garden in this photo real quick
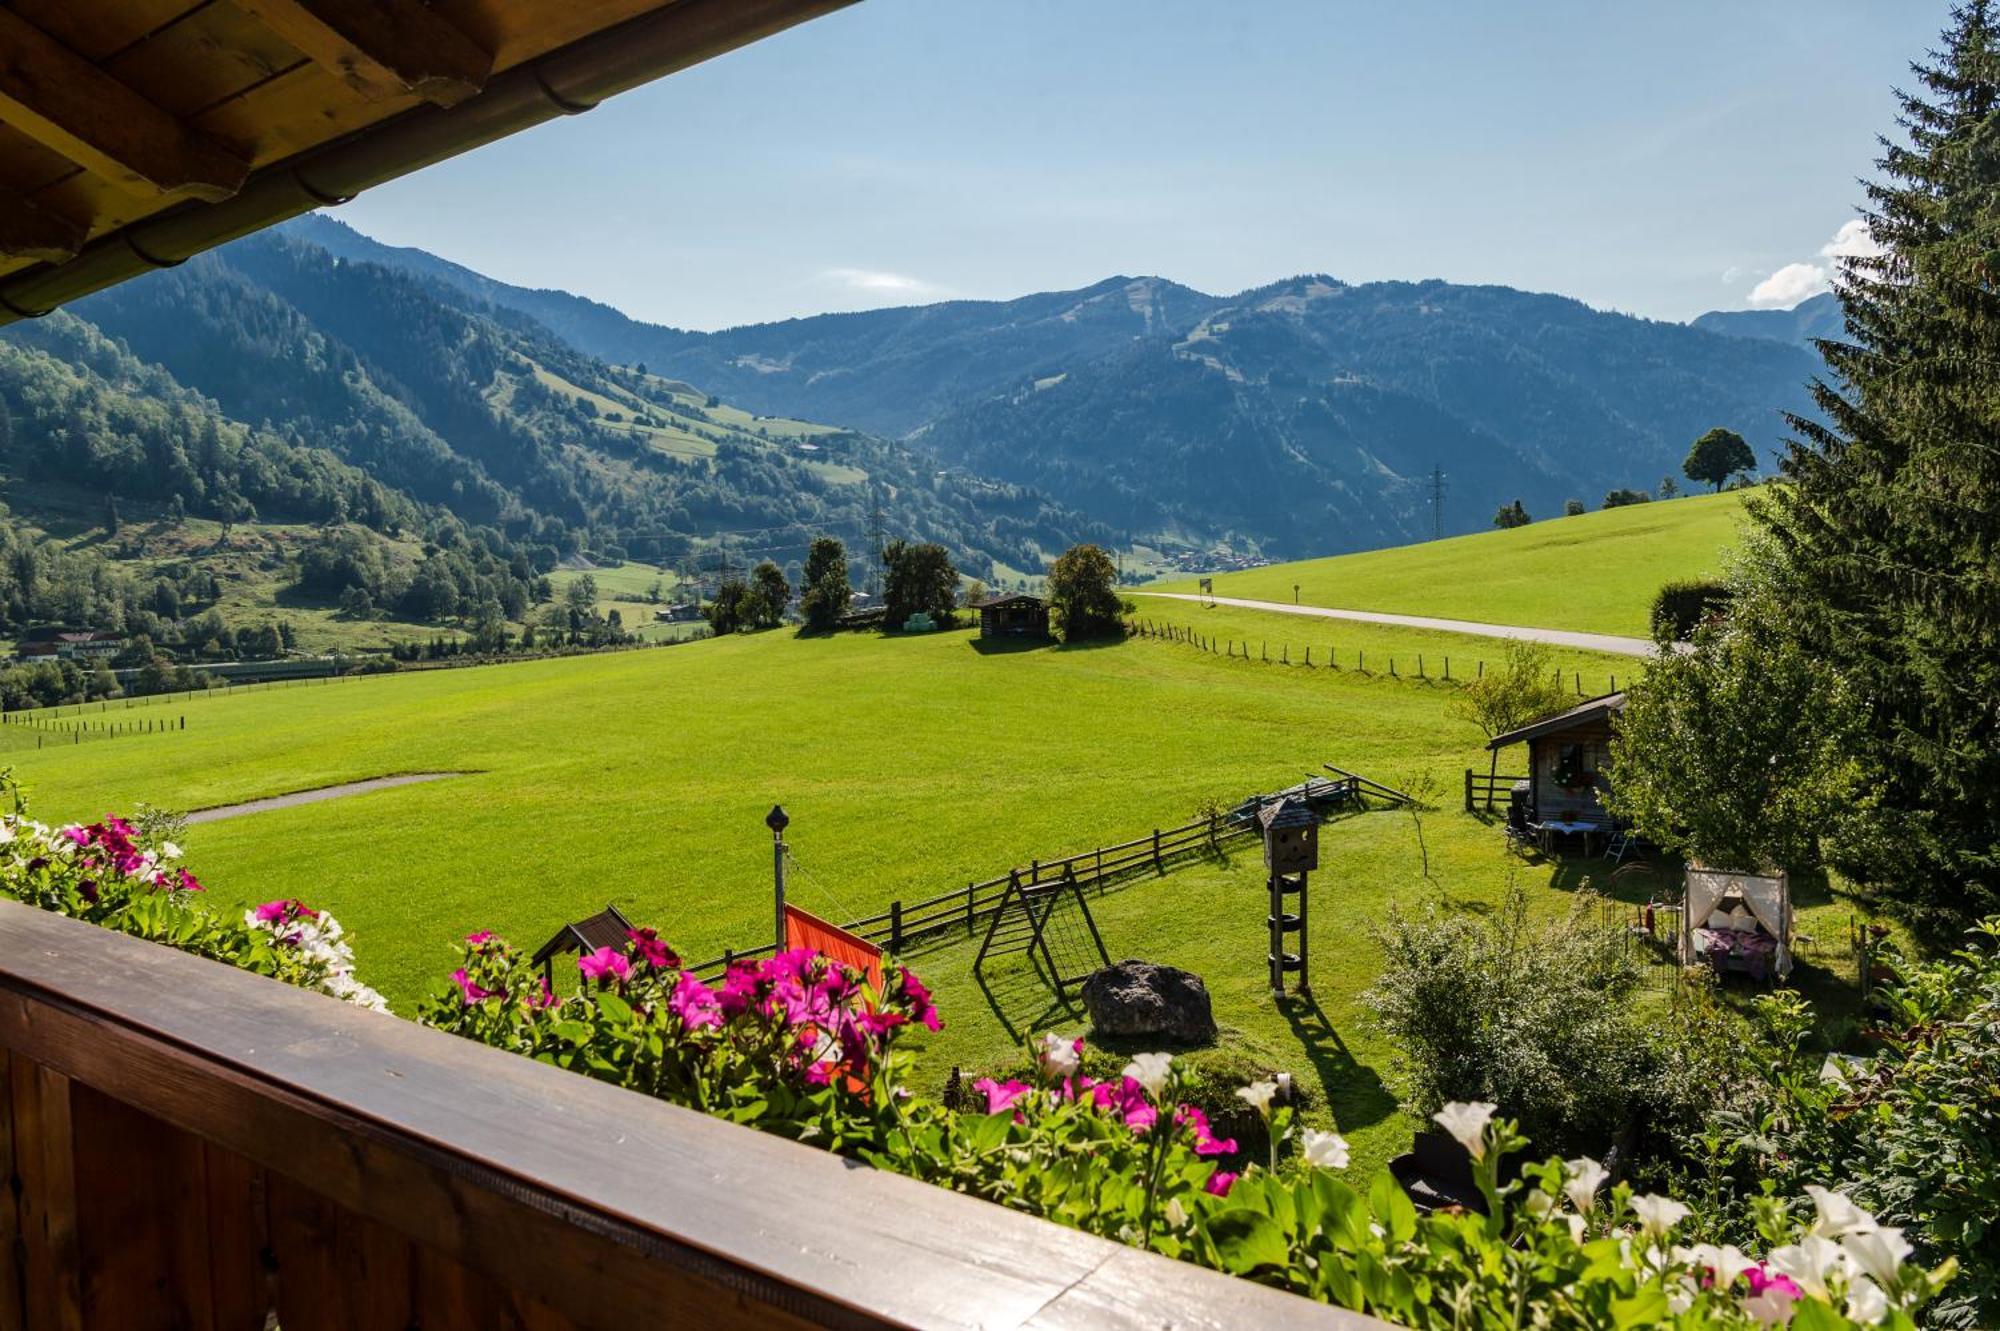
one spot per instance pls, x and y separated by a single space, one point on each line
1679 608
1912 1130
1535 1016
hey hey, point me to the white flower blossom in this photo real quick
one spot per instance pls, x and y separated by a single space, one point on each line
1657 1215
1876 1253
1325 1150
1057 1056
1681 1293
1866 1303
1727 1262
1809 1263
1582 1178
169 851
1837 1213
1150 1071
1176 1213
1771 1308
1258 1095
1467 1121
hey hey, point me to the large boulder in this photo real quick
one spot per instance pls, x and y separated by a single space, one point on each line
1143 998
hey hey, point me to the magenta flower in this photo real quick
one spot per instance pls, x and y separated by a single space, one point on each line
469 988
1205 1141
1126 1098
919 997
1000 1096
605 964
187 882
652 951
879 1023
78 835
480 939
695 1003
284 911
1762 1278
545 999
1219 1183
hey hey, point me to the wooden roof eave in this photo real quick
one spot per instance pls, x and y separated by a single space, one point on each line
567 81
1594 709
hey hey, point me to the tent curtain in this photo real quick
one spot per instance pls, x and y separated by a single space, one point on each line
1768 898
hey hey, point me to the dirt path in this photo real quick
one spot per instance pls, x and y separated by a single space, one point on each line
1588 642
314 796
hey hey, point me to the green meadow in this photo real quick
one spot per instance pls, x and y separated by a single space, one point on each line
910 766
1596 572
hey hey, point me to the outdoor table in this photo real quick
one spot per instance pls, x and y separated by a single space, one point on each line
1556 827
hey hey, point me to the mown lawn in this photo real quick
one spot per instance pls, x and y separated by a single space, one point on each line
1596 572
909 766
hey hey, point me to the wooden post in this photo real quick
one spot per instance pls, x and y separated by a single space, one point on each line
1468 790
968 910
1158 867
895 927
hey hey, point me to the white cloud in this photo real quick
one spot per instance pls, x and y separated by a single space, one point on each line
1731 275
1789 285
1852 241
867 282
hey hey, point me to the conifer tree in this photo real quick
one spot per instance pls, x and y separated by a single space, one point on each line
1890 522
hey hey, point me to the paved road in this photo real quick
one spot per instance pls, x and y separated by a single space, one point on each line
297 797
1588 642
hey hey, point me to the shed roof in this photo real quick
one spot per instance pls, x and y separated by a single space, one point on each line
607 928
1594 709
1287 812
136 133
1007 599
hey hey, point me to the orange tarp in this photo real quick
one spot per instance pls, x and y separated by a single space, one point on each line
806 930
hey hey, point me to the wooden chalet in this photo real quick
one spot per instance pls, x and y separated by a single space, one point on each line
1013 615
1568 755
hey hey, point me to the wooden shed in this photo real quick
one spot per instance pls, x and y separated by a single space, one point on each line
1014 615
1568 755
607 928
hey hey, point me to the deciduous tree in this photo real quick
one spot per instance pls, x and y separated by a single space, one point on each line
1717 456
1083 594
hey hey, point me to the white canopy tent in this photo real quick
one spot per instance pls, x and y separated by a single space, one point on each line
1763 902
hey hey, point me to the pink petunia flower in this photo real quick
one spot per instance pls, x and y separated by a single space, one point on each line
605 964
480 939
921 1007
1000 1096
545 998
1219 1183
1205 1142
655 953
695 1003
470 989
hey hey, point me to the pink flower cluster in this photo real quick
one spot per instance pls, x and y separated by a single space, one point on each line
113 845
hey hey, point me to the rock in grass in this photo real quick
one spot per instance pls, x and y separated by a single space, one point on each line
1144 998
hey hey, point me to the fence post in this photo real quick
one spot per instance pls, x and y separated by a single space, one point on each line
895 927
968 910
1468 790
1158 866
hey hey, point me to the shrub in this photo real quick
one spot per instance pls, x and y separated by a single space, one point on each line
1524 688
1682 607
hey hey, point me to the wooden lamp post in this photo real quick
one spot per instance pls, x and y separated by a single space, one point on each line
777 820
1291 851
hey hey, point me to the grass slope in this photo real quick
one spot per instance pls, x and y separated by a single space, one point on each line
909 766
1596 572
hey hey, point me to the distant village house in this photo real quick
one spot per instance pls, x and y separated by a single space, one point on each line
69 645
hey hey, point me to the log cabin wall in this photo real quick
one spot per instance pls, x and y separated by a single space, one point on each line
194 1148
1592 742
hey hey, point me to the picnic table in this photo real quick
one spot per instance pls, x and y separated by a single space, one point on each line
1556 827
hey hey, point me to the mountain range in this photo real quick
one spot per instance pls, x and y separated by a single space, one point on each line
1305 416
1815 318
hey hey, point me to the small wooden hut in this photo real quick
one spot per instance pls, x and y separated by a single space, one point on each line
607 928
1013 615
1568 755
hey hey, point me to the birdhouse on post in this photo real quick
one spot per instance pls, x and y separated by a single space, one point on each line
1291 851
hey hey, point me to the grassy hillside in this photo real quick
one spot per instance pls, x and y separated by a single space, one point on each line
1596 572
909 766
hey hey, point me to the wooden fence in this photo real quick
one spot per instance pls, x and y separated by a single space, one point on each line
1099 868
1483 789
190 1147
1434 668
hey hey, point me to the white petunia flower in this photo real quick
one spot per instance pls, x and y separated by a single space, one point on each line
1809 1263
1176 1213
1773 1307
1866 1303
1582 1178
1657 1215
1258 1095
1681 1294
1727 1262
1876 1253
1325 1150
170 851
1150 1071
1837 1213
1467 1122
1058 1056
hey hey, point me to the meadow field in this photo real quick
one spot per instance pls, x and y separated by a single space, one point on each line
1595 572
910 766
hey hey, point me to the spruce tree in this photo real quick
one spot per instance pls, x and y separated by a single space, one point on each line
1890 522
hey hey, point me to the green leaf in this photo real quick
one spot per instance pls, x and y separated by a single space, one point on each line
614 1007
1392 1207
1246 1240
1647 1306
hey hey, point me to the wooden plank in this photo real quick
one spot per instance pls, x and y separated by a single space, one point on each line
28 231
97 30
43 1162
12 1292
68 104
237 1240
337 1271
213 54
142 1230
380 47
474 1153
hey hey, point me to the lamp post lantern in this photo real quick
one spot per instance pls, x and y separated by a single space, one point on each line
778 820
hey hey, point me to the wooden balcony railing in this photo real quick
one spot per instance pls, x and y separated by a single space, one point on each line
197 1148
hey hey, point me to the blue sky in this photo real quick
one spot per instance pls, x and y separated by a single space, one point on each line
1658 158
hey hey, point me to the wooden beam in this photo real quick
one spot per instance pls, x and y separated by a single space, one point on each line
380 48
65 103
28 231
